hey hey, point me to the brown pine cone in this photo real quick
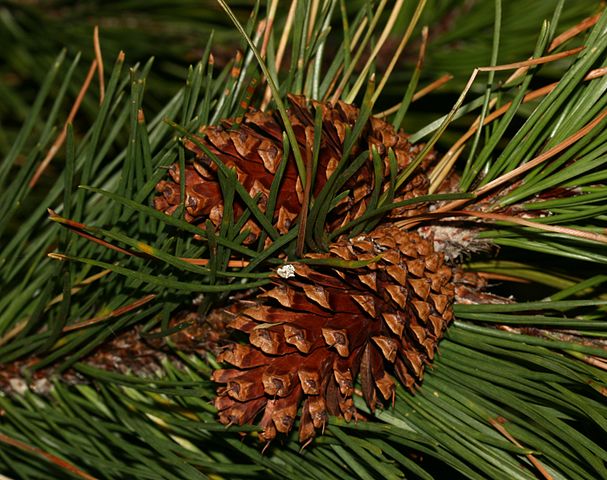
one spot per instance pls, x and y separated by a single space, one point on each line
316 333
252 145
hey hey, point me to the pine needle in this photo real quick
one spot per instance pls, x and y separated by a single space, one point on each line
99 58
70 118
62 464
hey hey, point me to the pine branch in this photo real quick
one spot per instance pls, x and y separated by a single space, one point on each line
105 375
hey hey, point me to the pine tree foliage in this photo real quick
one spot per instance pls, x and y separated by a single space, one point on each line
517 389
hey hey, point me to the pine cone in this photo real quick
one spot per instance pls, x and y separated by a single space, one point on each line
252 145
313 335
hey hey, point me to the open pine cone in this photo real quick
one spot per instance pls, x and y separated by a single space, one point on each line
314 334
252 145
